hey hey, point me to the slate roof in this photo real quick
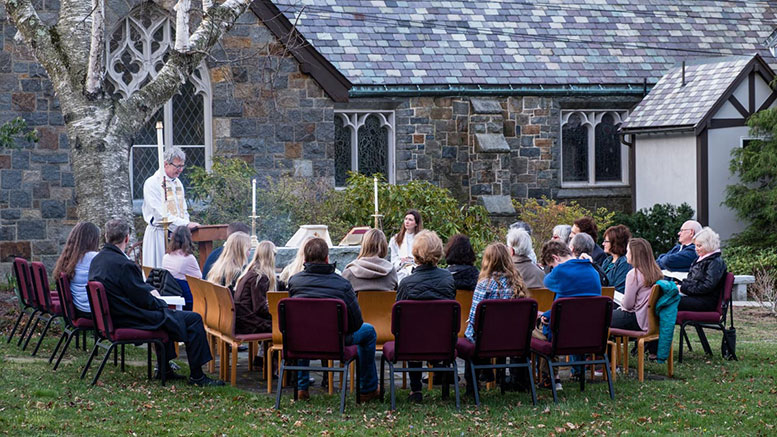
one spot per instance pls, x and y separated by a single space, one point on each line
553 42
671 104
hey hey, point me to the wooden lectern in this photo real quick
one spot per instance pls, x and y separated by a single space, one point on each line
204 236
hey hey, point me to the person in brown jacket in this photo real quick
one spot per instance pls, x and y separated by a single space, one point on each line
370 270
252 314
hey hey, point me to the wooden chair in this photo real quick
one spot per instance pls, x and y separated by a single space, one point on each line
609 292
273 297
227 334
464 298
543 296
622 337
211 321
376 310
146 271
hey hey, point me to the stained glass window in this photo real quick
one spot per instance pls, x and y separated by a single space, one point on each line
575 149
591 148
137 51
370 137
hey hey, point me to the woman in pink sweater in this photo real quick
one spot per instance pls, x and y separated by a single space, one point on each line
633 312
180 262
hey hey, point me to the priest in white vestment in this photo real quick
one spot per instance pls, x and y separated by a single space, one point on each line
155 208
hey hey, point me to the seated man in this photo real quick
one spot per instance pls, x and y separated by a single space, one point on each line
134 304
683 254
319 280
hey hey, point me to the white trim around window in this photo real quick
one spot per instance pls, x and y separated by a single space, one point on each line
353 119
591 118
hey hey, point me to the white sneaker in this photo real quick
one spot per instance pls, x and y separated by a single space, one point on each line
598 373
559 387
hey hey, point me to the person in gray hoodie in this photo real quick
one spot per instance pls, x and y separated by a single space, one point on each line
370 270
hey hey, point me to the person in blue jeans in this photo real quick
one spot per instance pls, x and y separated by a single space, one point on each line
318 280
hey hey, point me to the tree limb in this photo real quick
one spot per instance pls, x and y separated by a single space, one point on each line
94 73
182 25
138 108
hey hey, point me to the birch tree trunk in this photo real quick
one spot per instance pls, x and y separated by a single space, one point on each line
100 128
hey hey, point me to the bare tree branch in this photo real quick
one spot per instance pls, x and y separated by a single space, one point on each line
95 68
182 10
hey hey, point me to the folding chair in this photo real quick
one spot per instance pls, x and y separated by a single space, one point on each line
74 325
48 303
578 325
503 329
315 329
708 319
424 330
108 333
28 304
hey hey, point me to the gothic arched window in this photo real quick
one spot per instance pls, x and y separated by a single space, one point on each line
136 51
364 143
591 149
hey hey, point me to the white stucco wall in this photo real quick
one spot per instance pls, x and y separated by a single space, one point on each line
721 142
665 167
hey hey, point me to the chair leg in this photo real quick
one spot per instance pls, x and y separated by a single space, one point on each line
43 334
641 360
670 363
102 365
473 374
211 363
552 380
89 360
148 361
703 339
344 387
251 355
609 378
392 389
613 360
32 331
64 348
27 325
330 378
268 370
161 369
16 325
65 333
354 374
163 362
404 376
456 385
233 373
382 376
529 363
682 332
280 389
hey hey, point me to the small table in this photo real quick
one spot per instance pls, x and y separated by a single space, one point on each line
174 302
204 236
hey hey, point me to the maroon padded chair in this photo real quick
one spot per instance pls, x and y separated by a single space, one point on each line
315 329
74 325
503 329
48 303
29 304
108 333
579 326
708 319
424 330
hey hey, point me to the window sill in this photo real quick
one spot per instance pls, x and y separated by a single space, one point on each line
594 191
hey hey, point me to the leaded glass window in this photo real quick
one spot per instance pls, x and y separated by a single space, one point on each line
136 52
591 149
364 142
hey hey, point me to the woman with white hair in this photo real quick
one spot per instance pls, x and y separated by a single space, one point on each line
703 287
561 233
520 244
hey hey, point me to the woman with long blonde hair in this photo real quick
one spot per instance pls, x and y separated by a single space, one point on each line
252 314
295 266
229 266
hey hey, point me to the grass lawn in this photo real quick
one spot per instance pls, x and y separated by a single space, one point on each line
706 396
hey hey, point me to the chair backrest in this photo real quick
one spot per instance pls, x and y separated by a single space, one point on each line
609 292
313 328
425 330
98 300
66 299
543 296
213 315
21 269
146 271
40 283
464 298
653 321
376 310
226 306
725 296
580 325
273 297
503 327
198 295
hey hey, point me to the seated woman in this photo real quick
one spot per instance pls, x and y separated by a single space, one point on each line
370 270
633 311
702 288
252 315
520 244
229 265
615 266
80 248
180 262
461 259
562 233
428 282
401 245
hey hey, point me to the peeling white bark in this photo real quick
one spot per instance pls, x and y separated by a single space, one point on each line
206 4
96 49
100 129
182 10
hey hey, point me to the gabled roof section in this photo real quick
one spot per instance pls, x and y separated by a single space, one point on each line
517 42
708 83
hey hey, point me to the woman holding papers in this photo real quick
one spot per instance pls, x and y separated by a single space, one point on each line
633 311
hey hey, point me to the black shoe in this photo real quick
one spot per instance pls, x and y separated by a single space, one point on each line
205 381
171 375
416 397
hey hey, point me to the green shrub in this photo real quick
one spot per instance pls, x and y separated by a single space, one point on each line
658 225
746 260
543 214
226 189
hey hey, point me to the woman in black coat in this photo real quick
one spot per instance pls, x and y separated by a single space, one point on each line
702 289
461 259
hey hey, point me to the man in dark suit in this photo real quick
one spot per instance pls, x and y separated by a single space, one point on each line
134 304
683 254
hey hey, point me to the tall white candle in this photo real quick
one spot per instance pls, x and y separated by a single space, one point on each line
375 184
160 145
253 197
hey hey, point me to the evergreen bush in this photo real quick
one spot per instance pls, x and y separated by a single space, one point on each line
543 214
658 225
